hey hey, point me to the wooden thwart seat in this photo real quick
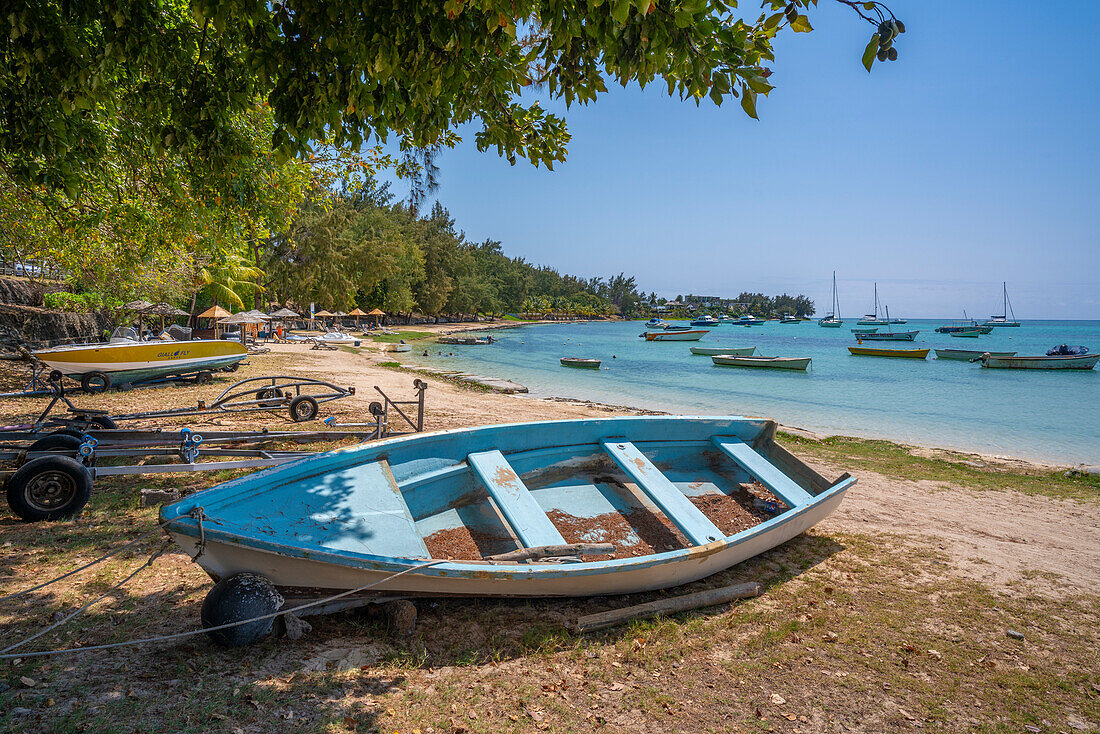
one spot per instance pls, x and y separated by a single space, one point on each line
667 496
779 483
523 514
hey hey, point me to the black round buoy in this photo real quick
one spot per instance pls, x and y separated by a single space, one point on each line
239 597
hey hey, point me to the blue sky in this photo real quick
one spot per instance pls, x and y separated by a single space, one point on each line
971 160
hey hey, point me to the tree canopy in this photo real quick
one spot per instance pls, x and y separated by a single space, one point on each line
179 74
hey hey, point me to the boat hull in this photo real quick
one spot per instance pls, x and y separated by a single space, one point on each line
889 336
583 364
1070 362
968 355
775 363
143 360
732 351
902 353
273 522
830 324
689 335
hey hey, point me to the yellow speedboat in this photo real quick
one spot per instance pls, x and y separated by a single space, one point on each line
126 359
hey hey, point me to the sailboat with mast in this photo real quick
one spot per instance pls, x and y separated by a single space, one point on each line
1006 311
832 319
872 319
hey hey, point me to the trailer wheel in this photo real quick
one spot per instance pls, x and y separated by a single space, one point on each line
95 382
204 378
303 408
102 422
231 367
57 442
49 488
268 393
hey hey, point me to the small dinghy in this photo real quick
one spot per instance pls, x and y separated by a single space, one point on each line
581 363
775 363
513 510
732 351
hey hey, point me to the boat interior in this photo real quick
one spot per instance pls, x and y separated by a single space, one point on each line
643 497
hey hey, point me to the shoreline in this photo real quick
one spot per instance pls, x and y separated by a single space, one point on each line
816 434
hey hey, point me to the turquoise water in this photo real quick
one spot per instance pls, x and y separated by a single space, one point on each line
1043 415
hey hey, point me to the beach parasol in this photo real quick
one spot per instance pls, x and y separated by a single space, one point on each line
323 314
214 312
283 313
356 312
137 305
165 310
378 313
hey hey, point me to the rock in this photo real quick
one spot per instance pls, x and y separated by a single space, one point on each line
238 598
157 497
1014 634
830 637
1032 728
28 682
401 616
1078 724
291 627
935 654
778 700
20 711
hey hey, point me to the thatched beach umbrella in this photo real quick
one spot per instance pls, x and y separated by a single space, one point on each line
244 319
356 313
214 312
378 314
282 315
165 310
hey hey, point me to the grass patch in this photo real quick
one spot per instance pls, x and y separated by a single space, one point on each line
399 336
954 468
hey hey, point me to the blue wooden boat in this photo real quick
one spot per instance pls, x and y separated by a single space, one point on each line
661 490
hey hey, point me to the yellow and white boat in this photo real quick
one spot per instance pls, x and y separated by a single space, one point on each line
126 359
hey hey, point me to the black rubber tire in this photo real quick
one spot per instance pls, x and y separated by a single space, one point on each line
303 408
267 393
239 597
102 422
232 367
68 432
49 488
62 442
95 382
204 378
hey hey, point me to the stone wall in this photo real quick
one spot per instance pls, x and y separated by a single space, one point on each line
24 320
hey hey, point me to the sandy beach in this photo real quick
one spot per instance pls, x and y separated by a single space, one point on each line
1006 546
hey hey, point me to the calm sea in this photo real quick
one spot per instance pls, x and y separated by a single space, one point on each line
1043 415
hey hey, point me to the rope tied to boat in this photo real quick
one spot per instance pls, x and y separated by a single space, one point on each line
198 515
87 565
6 655
149 562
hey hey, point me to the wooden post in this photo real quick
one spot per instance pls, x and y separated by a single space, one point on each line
687 602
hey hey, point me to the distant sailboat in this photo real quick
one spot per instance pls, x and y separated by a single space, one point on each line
1006 311
872 319
832 319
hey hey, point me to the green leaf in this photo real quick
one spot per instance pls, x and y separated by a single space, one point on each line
748 103
773 21
868 6
870 51
620 10
801 24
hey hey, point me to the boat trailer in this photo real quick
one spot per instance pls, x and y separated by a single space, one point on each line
50 466
300 396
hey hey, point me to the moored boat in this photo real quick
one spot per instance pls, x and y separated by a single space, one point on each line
676 335
454 512
1003 319
888 336
967 333
865 330
580 362
707 320
968 355
337 337
878 352
1046 362
776 363
832 319
789 319
126 359
734 351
